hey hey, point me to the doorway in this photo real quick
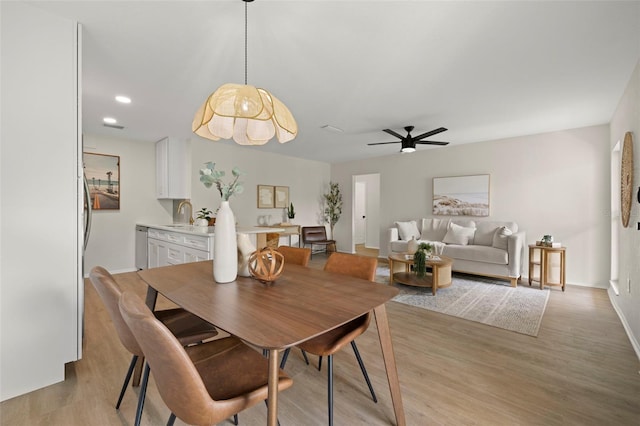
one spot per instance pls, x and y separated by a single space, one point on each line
366 214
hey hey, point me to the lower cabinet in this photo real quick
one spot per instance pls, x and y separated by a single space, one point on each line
173 248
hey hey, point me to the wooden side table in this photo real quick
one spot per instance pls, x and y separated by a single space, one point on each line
540 260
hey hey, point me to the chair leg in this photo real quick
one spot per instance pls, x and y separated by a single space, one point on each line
364 370
285 355
172 419
320 363
132 366
330 387
304 354
143 392
235 419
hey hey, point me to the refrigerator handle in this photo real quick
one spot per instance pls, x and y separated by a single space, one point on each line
87 218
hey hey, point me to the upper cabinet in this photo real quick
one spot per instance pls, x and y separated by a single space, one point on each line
173 169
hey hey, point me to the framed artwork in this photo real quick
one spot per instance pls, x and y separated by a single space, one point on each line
102 173
265 196
461 195
282 197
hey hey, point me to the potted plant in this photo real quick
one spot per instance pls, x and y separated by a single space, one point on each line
206 215
420 258
333 209
291 213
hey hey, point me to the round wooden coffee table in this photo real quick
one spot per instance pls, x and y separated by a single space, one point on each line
440 276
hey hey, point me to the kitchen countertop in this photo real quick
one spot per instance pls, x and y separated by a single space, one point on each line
209 230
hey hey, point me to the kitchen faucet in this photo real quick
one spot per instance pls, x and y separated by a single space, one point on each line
188 203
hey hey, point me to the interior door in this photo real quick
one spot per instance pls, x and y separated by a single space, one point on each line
360 213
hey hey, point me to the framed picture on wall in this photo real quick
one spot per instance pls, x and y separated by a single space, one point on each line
102 173
265 196
281 197
461 195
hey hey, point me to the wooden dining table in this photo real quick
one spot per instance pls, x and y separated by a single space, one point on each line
302 303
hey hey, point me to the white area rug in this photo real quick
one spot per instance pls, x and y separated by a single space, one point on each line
487 301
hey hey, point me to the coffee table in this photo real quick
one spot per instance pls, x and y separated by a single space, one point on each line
440 276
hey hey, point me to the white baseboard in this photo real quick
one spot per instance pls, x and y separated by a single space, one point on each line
634 342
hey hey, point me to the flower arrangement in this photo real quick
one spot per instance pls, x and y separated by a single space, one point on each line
210 176
420 258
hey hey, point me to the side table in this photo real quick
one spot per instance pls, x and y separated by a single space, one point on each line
540 259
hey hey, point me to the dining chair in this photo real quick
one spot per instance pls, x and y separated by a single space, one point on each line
202 384
332 341
295 255
188 329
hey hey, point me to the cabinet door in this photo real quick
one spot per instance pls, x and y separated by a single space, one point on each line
173 169
158 253
193 255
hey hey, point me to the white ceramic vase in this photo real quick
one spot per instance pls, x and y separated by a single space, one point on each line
245 248
225 246
412 246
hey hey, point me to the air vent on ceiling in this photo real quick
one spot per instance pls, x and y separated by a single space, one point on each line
113 126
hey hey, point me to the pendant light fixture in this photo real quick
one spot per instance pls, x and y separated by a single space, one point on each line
249 115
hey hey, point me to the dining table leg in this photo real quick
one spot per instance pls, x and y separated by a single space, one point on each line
272 388
384 334
150 301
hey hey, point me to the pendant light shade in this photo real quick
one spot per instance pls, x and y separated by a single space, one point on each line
246 114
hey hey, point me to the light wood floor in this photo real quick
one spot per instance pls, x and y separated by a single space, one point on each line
580 370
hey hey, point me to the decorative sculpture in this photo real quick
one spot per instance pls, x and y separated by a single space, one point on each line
266 265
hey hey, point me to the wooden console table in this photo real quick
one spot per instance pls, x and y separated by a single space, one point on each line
540 258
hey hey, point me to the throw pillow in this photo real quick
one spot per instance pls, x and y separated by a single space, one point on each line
457 234
434 229
406 230
500 237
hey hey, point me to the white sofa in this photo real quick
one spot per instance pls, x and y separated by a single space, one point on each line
488 248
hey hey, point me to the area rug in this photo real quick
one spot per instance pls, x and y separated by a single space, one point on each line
479 299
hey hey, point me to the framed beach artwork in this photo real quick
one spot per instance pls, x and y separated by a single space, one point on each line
282 197
102 173
265 196
461 195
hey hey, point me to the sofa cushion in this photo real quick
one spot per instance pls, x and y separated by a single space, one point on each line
486 229
501 237
434 229
477 254
406 230
457 234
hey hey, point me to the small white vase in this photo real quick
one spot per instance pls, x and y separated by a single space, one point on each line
245 248
225 246
412 246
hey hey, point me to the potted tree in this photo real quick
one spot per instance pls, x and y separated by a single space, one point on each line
333 207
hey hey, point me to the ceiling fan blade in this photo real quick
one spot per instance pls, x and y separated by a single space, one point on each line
382 143
431 133
391 132
432 143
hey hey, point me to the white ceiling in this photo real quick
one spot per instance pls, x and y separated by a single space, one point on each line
484 70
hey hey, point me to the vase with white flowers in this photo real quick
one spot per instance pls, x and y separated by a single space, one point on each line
225 246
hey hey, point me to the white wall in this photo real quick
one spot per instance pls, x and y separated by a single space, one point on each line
112 241
41 288
627 303
555 183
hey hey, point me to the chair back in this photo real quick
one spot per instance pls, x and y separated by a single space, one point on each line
176 377
353 265
110 293
312 234
295 255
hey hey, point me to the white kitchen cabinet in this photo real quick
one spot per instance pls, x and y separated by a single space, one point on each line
173 248
173 169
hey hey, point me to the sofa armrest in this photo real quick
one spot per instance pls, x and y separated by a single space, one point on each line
515 250
392 235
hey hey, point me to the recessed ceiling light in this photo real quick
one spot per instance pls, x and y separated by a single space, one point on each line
110 120
123 99
331 128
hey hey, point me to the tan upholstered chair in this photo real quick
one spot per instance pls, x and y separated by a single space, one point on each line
188 328
203 384
316 235
332 341
295 255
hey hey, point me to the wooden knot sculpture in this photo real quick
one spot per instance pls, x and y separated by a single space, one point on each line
266 265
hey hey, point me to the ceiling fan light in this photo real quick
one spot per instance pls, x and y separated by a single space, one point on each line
407 150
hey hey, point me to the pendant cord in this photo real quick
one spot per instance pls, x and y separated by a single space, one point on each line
245 43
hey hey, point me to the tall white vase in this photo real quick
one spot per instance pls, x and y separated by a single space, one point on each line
225 247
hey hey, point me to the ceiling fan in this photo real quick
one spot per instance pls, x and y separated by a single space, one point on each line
409 142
